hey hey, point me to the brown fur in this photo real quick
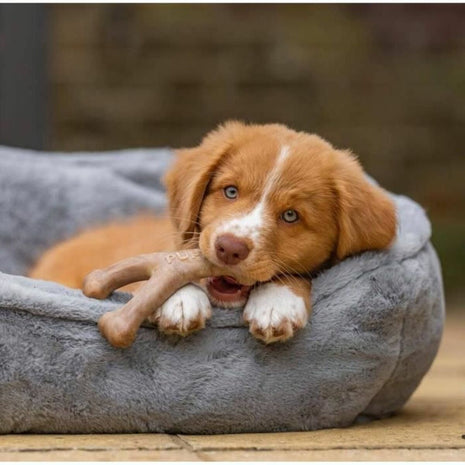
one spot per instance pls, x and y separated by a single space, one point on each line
70 261
341 213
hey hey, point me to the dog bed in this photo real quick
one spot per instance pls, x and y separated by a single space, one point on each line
375 329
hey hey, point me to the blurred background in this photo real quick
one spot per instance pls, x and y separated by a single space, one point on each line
387 81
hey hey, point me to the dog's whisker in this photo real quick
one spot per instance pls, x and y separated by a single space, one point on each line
287 268
288 272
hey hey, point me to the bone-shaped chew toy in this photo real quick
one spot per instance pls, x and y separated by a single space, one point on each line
165 272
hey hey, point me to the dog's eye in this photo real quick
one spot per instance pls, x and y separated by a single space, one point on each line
231 192
290 216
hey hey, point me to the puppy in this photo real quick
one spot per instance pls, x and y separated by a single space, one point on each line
272 204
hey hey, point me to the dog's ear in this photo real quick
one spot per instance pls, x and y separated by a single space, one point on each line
366 215
187 180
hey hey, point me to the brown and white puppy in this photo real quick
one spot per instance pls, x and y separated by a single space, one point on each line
271 204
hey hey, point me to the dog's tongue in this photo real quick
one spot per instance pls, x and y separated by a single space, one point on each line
226 284
227 290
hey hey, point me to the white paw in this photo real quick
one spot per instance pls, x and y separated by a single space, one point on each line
274 312
184 312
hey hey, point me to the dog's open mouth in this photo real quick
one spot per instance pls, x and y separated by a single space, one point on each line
227 289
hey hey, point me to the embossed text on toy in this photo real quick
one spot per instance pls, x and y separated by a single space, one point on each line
183 255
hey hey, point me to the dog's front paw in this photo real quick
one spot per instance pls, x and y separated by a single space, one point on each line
274 312
185 311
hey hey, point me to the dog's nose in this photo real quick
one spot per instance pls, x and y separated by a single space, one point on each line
230 249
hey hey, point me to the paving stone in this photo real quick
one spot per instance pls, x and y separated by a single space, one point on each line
89 442
100 455
338 455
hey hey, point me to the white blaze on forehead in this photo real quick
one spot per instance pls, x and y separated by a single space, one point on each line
251 225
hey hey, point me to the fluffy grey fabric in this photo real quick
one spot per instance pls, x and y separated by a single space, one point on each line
45 198
376 324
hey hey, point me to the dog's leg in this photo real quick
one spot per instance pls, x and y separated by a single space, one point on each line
187 310
275 310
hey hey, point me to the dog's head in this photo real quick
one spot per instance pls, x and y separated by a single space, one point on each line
265 200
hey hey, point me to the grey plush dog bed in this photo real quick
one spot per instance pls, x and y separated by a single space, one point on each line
376 324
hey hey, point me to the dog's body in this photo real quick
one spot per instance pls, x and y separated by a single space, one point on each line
273 204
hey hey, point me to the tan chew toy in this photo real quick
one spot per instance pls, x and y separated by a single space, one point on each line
165 272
